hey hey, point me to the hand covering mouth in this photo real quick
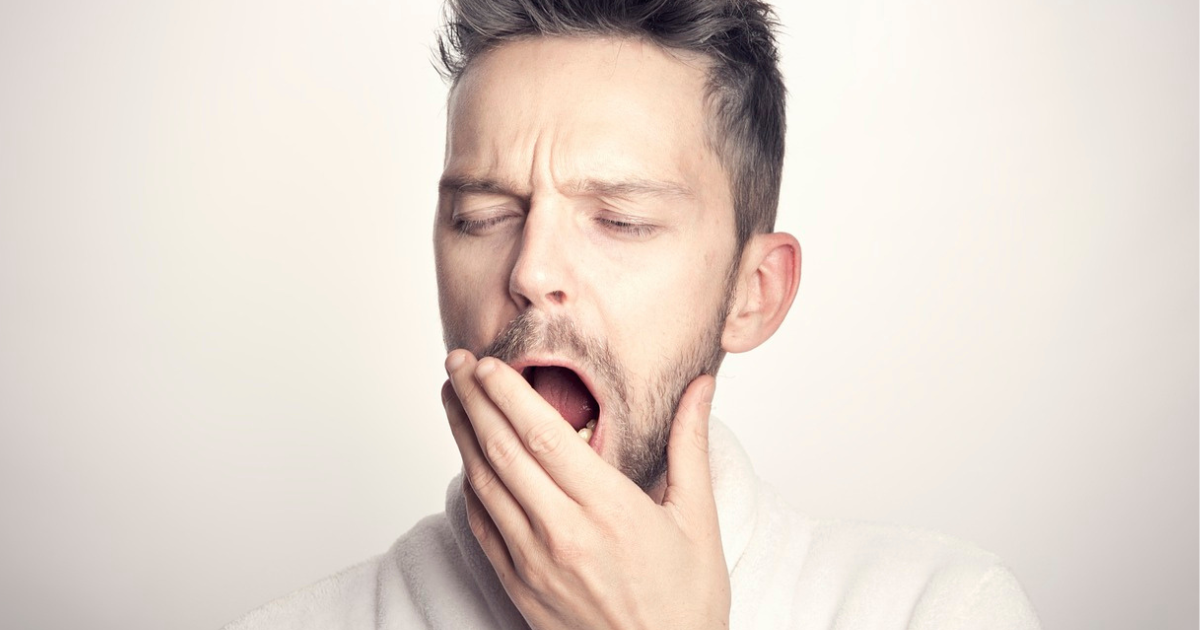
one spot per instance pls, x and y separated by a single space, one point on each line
563 389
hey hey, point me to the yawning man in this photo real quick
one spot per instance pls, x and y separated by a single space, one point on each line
604 235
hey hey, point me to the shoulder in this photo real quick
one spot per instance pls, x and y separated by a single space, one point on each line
341 600
929 579
856 545
350 598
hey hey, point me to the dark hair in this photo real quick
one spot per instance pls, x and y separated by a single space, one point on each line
745 90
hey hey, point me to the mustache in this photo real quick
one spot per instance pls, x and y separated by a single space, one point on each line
531 332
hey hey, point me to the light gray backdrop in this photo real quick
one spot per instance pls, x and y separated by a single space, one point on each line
219 343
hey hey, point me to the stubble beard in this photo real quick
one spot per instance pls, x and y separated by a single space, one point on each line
640 451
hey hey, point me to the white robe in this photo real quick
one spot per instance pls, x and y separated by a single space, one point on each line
785 570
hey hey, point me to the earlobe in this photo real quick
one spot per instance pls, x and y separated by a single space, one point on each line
765 288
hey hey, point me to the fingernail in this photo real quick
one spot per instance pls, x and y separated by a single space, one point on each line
709 390
485 367
454 361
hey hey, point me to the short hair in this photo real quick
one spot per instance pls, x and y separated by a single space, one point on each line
744 93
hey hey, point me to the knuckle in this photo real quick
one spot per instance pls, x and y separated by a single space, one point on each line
503 399
533 574
610 515
700 440
545 439
481 476
479 524
458 420
502 450
564 550
471 396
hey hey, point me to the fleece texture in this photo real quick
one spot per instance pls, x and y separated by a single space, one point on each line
785 570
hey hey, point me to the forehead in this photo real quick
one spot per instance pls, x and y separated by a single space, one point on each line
571 108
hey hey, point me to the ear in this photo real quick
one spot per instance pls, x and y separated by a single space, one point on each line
766 284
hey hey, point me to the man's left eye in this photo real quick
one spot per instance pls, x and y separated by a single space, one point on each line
622 226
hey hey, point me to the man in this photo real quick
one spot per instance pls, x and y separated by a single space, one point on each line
603 237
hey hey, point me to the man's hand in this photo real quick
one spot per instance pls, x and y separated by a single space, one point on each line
574 542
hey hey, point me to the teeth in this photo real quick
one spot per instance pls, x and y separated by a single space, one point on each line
586 432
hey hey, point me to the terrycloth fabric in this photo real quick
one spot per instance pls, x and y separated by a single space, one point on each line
786 571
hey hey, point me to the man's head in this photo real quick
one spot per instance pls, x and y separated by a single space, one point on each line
730 40
600 226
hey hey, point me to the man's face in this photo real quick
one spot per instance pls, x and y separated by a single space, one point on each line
584 223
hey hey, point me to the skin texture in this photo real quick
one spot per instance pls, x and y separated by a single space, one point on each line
579 187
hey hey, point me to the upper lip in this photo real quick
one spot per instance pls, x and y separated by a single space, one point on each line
555 361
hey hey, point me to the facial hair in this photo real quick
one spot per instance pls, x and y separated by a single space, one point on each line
641 447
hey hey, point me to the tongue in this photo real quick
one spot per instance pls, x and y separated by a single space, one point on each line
566 393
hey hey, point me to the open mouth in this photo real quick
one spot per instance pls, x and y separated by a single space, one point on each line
567 393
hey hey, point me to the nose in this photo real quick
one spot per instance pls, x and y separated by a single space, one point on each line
543 275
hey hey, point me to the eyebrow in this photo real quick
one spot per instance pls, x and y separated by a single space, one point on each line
457 184
623 188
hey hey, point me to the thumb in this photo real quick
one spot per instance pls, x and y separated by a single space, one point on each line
689 484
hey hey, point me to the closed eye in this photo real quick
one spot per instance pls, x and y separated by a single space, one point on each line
476 227
630 228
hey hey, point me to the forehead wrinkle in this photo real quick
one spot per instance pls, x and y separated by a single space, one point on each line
564 169
525 158
628 188
544 167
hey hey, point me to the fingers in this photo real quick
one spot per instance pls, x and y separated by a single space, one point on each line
489 536
502 448
478 474
570 461
689 483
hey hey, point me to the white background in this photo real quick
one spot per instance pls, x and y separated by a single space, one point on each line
220 351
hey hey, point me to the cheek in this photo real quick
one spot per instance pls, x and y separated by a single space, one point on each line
666 307
472 292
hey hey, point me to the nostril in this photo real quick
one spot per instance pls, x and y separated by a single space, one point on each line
558 297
